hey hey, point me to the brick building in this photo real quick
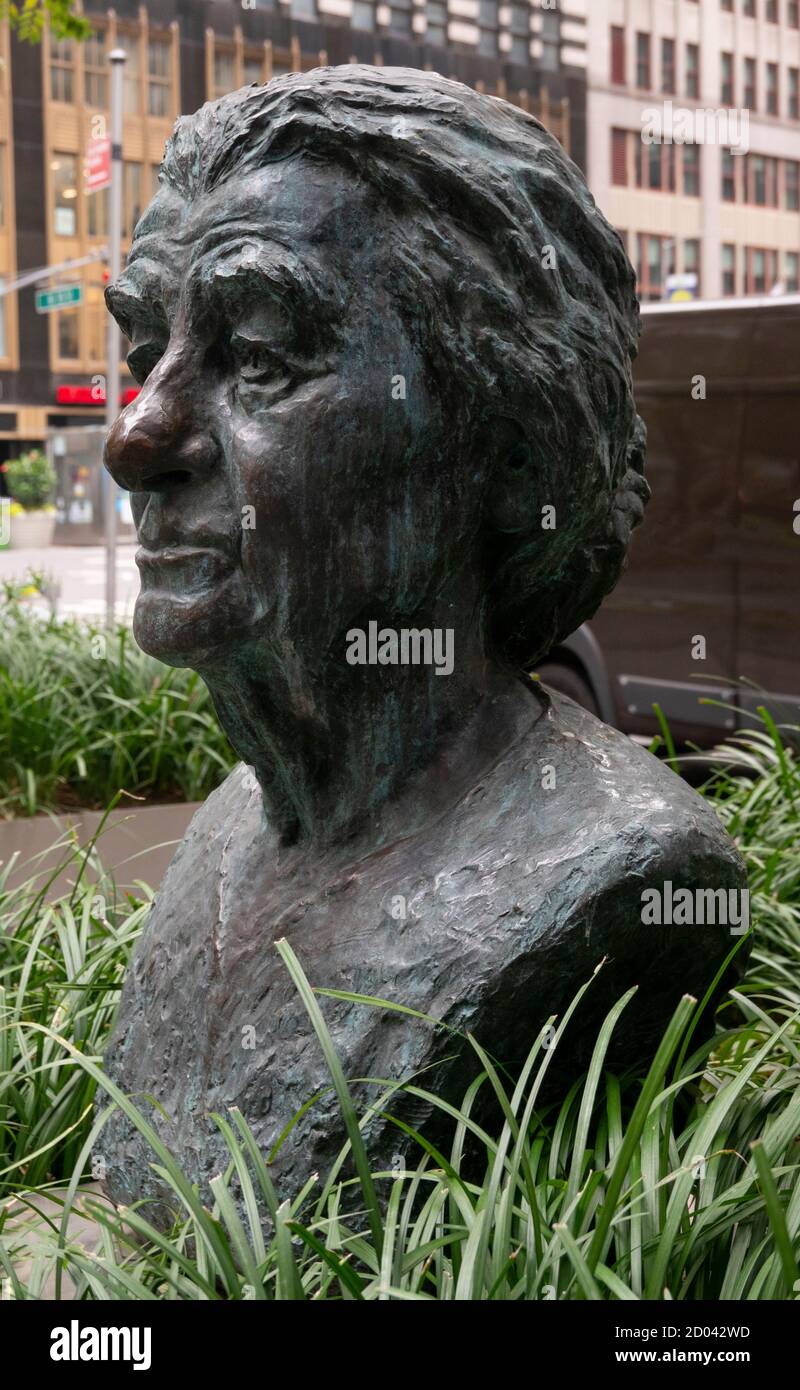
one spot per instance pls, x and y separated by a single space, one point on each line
181 53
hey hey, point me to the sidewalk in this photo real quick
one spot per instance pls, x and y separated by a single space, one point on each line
79 573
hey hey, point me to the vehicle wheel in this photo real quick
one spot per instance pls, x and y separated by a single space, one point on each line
568 682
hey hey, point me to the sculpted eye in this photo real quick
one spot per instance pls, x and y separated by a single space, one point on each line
254 360
142 359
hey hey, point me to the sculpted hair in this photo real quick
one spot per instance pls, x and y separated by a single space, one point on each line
520 290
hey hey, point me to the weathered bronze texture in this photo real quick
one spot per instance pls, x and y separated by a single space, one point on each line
385 341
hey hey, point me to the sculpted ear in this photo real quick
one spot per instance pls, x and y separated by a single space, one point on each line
513 480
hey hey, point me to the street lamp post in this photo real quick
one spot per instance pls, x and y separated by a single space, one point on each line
117 60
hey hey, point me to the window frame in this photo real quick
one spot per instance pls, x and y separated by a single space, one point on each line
67 67
644 60
158 41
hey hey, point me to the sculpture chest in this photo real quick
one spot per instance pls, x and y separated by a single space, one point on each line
487 921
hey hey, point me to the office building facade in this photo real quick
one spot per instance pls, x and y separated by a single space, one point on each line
720 200
180 53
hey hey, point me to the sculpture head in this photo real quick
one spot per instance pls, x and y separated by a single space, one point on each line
379 325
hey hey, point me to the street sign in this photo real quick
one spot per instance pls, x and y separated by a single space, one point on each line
60 298
97 165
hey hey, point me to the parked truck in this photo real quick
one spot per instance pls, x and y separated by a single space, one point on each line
708 612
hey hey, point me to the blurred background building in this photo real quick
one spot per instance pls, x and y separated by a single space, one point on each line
697 208
180 54
588 68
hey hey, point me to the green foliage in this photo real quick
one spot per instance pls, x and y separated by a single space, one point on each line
27 19
31 480
677 1181
84 713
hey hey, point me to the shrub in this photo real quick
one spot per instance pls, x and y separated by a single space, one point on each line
84 713
673 1181
31 480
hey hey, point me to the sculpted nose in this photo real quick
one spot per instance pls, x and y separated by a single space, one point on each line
157 442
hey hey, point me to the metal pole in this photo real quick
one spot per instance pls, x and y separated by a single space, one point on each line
117 60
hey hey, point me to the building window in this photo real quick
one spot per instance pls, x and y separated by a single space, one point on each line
793 103
756 271
668 65
761 183
131 196
400 23
64 172
728 177
643 60
771 11
791 272
619 157
133 86
95 72
364 18
224 72
728 269
726 79
757 180
726 5
653 264
772 89
95 319
159 76
791 185
691 171
617 55
692 70
97 212
793 14
691 259
750 83
749 7
68 334
654 166
252 69
62 70
761 269
550 35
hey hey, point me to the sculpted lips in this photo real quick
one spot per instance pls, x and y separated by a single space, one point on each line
181 568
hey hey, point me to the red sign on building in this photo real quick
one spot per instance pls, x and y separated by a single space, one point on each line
97 166
92 395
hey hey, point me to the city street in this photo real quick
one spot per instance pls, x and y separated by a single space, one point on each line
78 573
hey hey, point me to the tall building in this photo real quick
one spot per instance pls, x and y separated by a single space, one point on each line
181 53
721 202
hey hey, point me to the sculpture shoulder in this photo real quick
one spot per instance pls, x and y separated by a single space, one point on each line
230 820
595 787
572 778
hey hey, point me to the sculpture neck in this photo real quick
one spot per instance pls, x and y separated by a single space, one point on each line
370 747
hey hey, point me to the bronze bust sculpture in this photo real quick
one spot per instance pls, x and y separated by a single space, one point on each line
385 454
